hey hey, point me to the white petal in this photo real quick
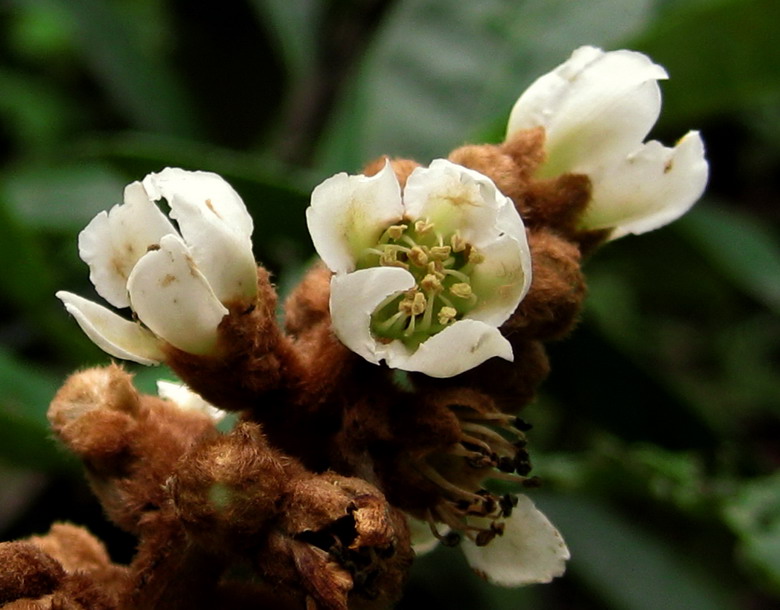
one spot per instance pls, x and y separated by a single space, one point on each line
349 213
502 280
216 226
184 398
173 298
457 348
530 551
112 333
649 188
113 241
456 198
354 297
593 106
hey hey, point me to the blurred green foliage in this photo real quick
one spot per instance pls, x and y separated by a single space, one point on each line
657 432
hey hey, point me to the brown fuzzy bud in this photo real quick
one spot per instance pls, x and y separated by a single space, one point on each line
128 442
79 551
27 572
229 487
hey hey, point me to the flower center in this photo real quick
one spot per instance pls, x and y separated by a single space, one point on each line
441 266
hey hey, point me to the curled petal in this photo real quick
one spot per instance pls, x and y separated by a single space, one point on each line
454 350
502 279
113 242
355 296
216 226
173 298
184 398
591 106
648 188
349 213
112 333
530 550
456 198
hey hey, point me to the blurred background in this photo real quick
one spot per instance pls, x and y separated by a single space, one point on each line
658 432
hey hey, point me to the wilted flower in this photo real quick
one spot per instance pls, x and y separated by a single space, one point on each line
528 549
424 277
596 109
178 283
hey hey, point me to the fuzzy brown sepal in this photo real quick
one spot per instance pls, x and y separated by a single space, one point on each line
128 442
510 166
553 302
27 572
228 488
255 361
79 551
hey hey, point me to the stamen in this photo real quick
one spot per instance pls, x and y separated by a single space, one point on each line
422 226
489 434
458 243
457 274
447 314
418 256
430 283
440 253
462 290
435 477
395 231
388 324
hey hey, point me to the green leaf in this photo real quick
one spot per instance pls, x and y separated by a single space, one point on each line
739 247
720 55
139 82
627 566
754 514
441 71
25 394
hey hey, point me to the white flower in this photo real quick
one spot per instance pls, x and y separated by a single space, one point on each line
187 400
177 282
530 549
424 278
596 109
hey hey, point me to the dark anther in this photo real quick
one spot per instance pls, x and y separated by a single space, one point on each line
523 425
507 503
506 464
532 482
485 536
451 539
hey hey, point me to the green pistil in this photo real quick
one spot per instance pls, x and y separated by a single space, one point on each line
441 266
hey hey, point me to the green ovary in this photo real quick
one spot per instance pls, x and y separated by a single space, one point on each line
441 266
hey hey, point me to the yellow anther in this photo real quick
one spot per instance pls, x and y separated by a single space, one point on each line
395 231
461 290
431 283
475 258
458 243
412 304
435 269
440 253
418 304
423 226
418 256
447 315
389 258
